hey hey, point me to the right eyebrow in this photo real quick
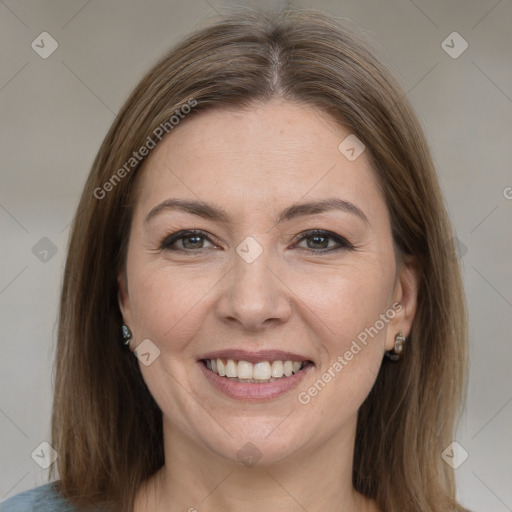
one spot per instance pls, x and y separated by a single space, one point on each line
200 208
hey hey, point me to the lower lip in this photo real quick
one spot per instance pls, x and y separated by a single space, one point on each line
253 392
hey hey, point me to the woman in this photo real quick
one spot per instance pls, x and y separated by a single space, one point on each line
264 227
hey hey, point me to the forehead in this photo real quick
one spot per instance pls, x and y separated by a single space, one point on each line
278 152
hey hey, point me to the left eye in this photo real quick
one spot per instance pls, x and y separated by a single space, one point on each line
320 241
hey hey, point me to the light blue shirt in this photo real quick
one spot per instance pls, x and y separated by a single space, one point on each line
40 499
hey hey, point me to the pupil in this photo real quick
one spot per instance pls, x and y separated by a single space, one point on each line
316 238
192 237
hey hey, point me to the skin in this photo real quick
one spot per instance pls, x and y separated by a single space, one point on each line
253 163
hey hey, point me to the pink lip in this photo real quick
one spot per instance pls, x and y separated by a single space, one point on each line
253 392
255 357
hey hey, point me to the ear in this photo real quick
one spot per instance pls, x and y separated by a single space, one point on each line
123 298
406 294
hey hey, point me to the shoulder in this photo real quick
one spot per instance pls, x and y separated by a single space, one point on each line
44 498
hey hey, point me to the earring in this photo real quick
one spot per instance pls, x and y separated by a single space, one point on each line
126 335
395 353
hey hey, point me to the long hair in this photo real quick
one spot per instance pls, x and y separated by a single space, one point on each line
106 426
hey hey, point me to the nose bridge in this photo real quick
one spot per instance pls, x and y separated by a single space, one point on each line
254 294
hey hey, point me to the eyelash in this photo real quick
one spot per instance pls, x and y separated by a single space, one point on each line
167 242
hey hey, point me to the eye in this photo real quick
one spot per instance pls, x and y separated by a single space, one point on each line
190 240
320 241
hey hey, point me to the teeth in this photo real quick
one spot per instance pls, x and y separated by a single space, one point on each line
288 368
244 370
277 369
231 368
261 371
248 372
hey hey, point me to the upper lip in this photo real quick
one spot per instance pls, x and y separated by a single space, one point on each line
255 357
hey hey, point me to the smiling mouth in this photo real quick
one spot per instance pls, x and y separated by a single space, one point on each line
261 372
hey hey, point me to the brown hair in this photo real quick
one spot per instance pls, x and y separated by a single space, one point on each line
106 426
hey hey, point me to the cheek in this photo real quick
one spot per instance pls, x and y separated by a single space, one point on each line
166 303
347 308
346 300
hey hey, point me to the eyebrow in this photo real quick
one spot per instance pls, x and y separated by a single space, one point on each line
215 213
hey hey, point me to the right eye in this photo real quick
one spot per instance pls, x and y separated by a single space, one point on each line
190 240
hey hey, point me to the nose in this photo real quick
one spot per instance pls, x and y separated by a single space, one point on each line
254 295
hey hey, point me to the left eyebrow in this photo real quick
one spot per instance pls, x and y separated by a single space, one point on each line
311 208
215 213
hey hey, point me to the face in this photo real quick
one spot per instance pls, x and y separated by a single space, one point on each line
261 282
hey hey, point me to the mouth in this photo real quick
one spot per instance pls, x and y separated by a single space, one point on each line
254 376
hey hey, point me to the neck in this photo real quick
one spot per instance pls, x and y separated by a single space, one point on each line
194 479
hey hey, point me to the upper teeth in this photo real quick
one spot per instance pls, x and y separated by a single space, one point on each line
245 370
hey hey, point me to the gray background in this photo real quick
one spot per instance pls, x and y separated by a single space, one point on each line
56 111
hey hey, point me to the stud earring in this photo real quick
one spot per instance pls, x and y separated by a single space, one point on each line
397 350
126 335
